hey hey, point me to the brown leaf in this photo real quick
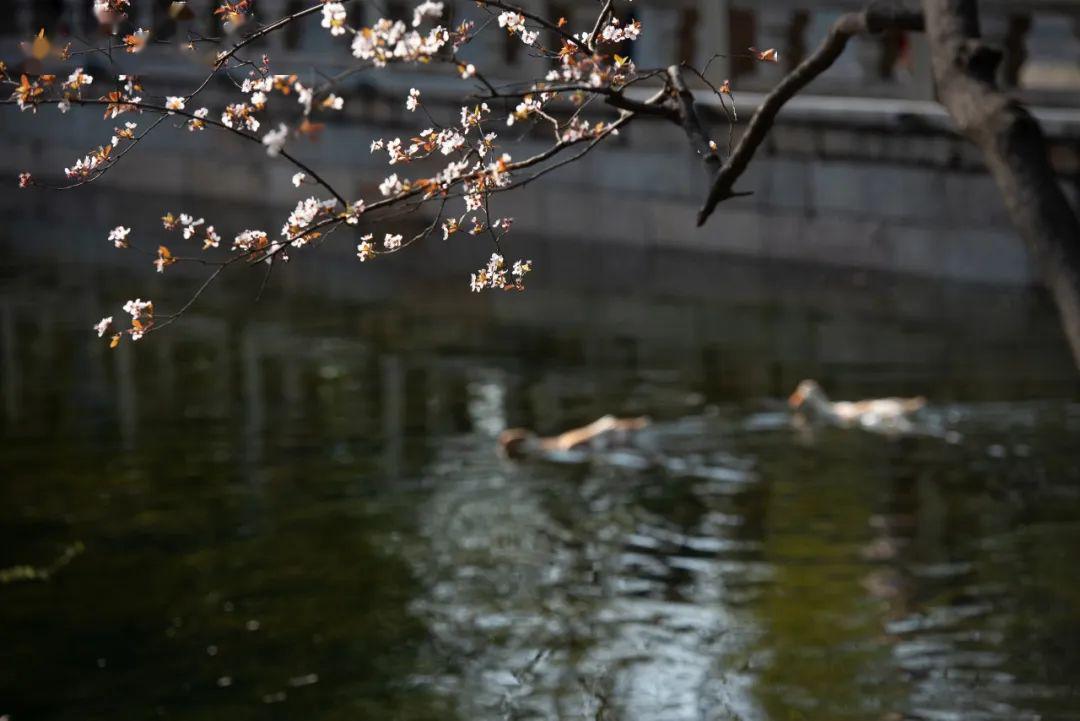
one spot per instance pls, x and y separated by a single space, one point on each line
41 46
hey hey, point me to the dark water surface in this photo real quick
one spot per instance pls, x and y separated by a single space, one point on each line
293 510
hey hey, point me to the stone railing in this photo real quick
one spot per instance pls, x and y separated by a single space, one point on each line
1040 39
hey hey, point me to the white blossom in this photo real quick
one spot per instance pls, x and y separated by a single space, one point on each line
301 218
366 249
449 227
450 140
521 267
304 96
425 10
103 325
388 41
85 167
190 225
77 78
258 84
118 236
354 212
334 17
390 186
239 115
212 239
197 122
139 308
511 20
249 240
275 140
494 275
613 32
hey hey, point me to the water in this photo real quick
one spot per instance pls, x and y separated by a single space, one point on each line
292 509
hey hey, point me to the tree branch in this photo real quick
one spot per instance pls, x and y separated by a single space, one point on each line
609 5
166 112
1013 148
874 19
691 122
264 30
547 24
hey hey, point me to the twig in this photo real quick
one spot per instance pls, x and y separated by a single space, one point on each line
691 122
874 19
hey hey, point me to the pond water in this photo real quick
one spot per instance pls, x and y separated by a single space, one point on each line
293 508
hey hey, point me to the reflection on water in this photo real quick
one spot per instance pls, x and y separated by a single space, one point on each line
293 509
859 577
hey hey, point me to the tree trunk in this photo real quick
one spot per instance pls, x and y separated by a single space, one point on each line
1013 148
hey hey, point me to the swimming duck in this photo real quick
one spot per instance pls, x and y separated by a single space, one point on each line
519 443
810 401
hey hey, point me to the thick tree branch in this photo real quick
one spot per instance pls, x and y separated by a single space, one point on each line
691 123
874 19
1013 148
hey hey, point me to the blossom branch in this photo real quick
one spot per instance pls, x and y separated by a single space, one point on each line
553 27
602 18
150 107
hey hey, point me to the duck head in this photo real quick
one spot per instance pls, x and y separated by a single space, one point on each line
516 443
808 394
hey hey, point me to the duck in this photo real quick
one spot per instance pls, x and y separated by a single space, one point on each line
810 402
519 443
